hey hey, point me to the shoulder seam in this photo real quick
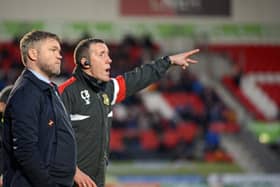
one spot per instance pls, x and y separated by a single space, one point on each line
65 84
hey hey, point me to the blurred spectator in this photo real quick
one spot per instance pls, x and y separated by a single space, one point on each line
4 94
212 141
237 74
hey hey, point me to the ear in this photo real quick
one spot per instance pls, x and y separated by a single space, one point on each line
85 63
83 60
32 54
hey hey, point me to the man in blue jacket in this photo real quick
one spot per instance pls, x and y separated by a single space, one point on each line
38 140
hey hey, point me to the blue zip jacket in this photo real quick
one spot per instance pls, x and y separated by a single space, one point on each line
38 140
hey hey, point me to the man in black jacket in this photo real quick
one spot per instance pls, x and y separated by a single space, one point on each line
89 96
38 139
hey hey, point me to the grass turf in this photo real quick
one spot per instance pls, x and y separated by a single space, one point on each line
170 168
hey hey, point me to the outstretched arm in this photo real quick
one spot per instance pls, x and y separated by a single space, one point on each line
141 77
183 59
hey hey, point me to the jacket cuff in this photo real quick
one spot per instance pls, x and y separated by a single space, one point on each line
167 59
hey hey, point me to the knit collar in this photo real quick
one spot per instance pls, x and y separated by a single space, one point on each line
93 82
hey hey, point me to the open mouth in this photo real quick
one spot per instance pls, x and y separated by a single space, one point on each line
108 70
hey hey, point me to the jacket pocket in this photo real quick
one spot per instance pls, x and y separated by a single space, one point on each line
51 150
19 181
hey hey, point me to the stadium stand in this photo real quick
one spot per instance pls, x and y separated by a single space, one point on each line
254 83
150 135
250 60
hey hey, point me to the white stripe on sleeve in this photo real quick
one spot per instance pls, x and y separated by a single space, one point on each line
78 117
116 91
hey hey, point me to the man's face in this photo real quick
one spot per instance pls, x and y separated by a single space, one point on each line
49 57
100 61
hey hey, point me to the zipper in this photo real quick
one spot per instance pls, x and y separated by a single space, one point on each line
104 139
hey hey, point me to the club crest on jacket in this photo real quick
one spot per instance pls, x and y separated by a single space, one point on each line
106 100
85 96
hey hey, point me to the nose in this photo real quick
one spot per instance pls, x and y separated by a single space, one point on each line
109 60
59 56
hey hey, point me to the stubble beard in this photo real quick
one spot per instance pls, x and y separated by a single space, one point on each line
50 71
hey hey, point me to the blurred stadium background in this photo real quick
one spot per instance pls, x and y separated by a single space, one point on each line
214 125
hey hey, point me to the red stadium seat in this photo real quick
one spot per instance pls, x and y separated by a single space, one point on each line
182 99
253 58
235 90
149 140
116 140
170 138
217 156
187 131
273 91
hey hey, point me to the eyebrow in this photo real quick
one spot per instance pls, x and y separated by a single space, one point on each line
102 51
56 47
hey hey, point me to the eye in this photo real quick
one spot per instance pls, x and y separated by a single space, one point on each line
53 49
101 54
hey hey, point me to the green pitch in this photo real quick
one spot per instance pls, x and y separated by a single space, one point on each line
170 168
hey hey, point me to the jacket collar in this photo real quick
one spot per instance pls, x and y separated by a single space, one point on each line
91 81
39 83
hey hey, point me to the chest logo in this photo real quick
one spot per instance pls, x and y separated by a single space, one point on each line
106 100
85 96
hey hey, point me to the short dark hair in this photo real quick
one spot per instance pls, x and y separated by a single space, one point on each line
30 38
82 49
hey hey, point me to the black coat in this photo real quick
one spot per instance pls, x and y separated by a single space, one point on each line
90 102
38 140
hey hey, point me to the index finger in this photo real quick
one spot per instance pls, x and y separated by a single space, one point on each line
192 52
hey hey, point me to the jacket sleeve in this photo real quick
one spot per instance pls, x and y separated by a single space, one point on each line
67 98
25 129
139 78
